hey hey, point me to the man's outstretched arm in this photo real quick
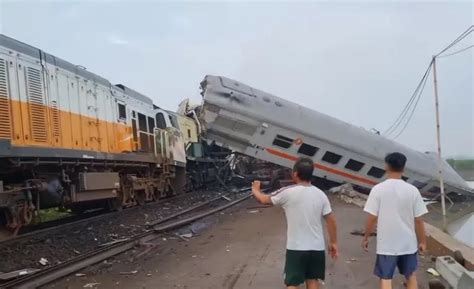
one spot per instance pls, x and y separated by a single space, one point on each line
259 195
369 228
332 232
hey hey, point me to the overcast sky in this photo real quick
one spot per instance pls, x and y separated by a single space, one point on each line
359 62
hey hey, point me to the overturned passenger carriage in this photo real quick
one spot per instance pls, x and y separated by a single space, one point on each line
270 128
69 137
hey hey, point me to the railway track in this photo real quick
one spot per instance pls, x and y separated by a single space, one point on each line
75 220
155 230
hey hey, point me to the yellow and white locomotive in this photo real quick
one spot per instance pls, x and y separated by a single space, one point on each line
69 137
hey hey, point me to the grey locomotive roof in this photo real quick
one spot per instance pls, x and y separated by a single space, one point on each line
269 108
29 50
135 94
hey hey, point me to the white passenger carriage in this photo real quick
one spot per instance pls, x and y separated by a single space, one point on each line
270 128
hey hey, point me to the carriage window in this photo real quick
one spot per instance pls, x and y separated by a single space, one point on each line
122 111
376 172
282 141
151 124
354 165
331 157
142 122
307 149
174 121
189 133
435 190
404 178
160 120
419 185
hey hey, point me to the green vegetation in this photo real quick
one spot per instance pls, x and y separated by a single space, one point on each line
53 214
465 165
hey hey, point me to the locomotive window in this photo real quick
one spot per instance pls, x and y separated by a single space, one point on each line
151 124
189 133
142 122
160 120
122 111
174 121
419 185
354 165
307 149
282 141
331 157
376 172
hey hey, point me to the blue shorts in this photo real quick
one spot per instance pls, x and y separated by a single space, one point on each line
386 264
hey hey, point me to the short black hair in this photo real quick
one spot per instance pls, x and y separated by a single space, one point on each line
396 161
304 168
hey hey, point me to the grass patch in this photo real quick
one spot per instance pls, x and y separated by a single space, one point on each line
53 214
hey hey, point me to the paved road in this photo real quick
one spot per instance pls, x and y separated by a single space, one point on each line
242 249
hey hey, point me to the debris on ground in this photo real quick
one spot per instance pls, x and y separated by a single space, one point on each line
226 198
17 273
43 261
433 272
347 194
436 284
80 275
91 285
114 242
459 258
187 235
259 207
351 260
129 272
254 211
361 233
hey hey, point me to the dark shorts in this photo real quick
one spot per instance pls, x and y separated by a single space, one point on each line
302 265
386 264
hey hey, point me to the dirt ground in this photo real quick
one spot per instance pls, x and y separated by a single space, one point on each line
242 248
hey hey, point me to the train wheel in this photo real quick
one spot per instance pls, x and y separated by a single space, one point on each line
114 204
26 214
5 231
140 197
178 183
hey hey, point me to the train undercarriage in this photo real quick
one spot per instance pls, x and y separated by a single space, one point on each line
31 184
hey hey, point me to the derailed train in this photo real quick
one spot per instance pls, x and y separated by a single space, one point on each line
261 125
70 138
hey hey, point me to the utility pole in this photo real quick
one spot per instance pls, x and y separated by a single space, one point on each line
438 138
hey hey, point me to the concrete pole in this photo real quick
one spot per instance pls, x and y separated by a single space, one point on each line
438 140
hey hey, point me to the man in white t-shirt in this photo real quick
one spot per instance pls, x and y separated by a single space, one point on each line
305 206
396 207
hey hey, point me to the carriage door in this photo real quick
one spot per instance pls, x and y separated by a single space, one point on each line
93 115
54 104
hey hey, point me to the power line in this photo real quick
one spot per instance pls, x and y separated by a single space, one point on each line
407 107
456 52
410 107
457 40
416 103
